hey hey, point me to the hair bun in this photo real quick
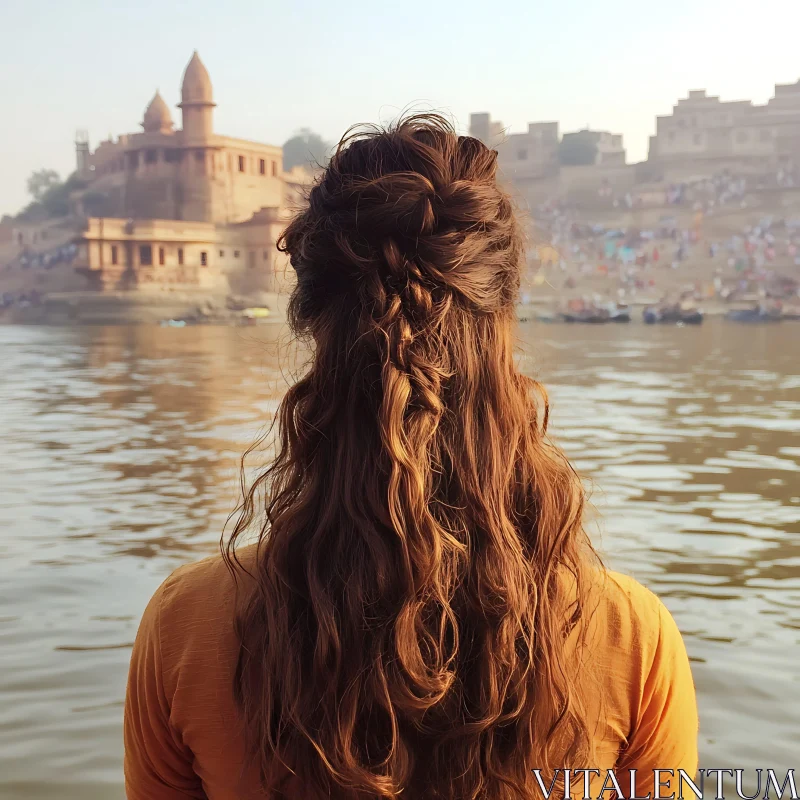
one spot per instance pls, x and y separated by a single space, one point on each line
416 205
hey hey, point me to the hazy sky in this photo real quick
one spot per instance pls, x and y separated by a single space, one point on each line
276 67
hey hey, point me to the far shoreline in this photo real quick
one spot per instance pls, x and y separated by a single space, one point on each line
200 308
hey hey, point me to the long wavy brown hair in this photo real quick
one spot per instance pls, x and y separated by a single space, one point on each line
407 630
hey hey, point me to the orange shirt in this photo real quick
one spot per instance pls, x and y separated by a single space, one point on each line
183 737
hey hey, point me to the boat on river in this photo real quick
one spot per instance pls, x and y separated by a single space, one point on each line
759 313
672 314
595 313
791 313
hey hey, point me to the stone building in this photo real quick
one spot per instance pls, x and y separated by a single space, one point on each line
531 164
608 147
483 127
522 157
192 173
185 207
118 254
702 129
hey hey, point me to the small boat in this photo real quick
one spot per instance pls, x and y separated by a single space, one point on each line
587 316
597 314
757 314
254 315
672 315
620 314
173 323
791 313
256 312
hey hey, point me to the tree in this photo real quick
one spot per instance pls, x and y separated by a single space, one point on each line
577 150
53 201
41 181
305 148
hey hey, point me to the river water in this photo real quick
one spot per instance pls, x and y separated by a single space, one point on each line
118 461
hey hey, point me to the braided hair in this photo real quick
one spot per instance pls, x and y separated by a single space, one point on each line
406 631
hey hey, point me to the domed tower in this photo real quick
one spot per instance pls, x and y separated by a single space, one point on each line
157 118
197 103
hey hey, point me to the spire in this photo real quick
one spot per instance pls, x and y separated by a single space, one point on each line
157 118
196 88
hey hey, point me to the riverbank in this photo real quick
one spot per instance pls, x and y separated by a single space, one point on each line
194 308
145 308
547 308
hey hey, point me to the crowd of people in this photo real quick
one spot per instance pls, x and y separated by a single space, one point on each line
724 190
757 255
20 299
65 254
632 261
28 260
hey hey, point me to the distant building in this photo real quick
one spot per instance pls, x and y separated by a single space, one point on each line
608 148
522 157
192 173
158 253
481 126
184 207
704 128
118 254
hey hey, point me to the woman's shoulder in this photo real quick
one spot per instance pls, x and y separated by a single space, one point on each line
627 594
633 632
644 673
192 612
635 658
208 581
629 615
186 650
